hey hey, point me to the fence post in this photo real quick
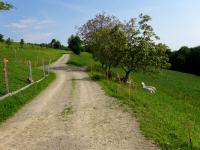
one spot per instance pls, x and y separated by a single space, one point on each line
30 72
49 65
5 61
129 82
44 69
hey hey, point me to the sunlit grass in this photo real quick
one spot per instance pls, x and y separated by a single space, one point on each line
18 70
171 116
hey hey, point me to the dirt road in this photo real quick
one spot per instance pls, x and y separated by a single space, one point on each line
73 113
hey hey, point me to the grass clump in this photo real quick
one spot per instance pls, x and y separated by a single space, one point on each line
67 111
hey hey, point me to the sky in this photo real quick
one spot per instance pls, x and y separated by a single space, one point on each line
176 22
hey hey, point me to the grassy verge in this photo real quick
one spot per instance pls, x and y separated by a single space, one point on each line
171 116
84 59
10 105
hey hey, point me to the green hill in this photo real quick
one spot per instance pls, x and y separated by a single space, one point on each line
171 116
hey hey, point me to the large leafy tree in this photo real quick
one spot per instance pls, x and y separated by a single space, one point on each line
109 45
88 30
75 44
5 6
57 45
53 41
141 51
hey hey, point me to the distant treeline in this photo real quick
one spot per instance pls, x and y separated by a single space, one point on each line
53 44
186 60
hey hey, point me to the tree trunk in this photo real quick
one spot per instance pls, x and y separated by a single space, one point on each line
108 72
126 76
102 65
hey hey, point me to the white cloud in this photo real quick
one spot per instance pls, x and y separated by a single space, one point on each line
30 23
37 37
22 24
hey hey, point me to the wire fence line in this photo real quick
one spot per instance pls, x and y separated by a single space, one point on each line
6 82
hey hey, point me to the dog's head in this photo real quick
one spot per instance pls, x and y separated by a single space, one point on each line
142 83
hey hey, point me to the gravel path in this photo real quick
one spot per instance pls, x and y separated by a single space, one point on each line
73 113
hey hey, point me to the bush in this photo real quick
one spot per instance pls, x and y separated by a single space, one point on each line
75 44
96 76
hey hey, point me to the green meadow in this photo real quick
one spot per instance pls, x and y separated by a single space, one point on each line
170 116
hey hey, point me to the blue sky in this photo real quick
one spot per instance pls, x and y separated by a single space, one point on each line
175 21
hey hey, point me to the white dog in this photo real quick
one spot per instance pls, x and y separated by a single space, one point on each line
150 89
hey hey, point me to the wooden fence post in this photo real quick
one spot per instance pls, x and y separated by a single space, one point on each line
5 61
49 65
129 82
44 69
30 72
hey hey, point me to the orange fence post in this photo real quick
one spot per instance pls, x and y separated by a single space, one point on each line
5 62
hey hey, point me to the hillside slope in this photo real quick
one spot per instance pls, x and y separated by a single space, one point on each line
171 116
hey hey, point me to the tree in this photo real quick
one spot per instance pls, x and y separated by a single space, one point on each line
5 6
130 45
1 37
53 41
141 51
8 42
21 43
88 30
186 60
55 44
109 45
75 44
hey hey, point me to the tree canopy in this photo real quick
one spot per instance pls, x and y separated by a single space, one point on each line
142 52
55 44
130 45
5 6
75 44
186 60
88 30
109 45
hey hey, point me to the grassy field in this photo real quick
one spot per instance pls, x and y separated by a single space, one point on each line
18 66
81 60
171 116
18 74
